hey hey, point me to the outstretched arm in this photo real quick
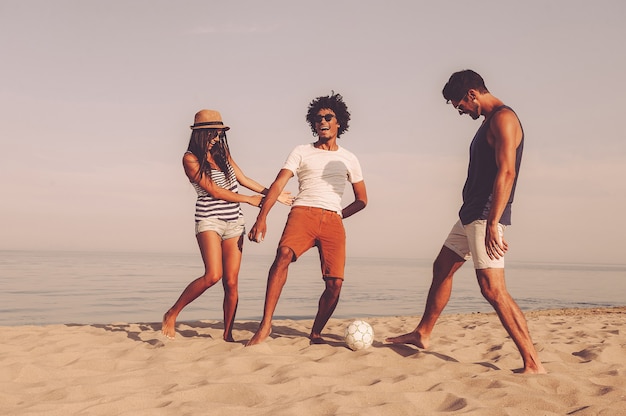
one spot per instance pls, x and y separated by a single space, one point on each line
259 229
284 197
192 170
360 200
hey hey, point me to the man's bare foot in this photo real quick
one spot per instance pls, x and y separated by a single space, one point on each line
260 336
316 339
413 338
168 327
229 338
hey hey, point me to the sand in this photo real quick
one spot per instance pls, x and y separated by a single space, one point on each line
131 369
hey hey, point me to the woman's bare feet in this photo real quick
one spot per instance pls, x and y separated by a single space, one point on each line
260 336
168 327
533 368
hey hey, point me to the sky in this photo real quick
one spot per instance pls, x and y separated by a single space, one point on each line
97 97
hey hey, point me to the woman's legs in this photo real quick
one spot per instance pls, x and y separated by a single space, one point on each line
210 244
232 250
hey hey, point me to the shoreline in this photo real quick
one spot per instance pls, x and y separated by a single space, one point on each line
591 310
98 288
131 369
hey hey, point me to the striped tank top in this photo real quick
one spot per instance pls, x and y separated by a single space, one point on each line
209 207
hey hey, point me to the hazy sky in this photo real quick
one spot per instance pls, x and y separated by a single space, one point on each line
97 98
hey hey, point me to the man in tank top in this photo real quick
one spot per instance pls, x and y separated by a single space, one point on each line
316 217
495 156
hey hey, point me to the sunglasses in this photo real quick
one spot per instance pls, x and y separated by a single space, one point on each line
217 135
457 107
327 117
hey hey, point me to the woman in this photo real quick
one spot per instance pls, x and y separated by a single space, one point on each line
219 220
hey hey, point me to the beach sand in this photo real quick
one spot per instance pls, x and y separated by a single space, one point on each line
469 369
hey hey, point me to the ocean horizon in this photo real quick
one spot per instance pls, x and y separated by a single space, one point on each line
63 287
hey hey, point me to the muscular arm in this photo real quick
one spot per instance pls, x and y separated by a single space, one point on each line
360 200
505 135
259 229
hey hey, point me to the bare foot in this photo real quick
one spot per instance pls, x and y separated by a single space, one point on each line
316 339
168 328
229 338
413 338
260 336
535 369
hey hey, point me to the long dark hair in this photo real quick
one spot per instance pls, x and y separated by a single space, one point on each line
199 146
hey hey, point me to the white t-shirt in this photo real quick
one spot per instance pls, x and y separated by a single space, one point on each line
322 175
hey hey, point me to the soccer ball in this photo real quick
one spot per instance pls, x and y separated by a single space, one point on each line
359 335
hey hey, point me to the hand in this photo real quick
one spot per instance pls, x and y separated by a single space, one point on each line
257 232
256 200
495 244
285 198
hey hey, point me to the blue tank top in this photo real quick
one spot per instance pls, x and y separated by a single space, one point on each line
481 175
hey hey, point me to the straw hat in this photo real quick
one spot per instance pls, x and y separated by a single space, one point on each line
208 119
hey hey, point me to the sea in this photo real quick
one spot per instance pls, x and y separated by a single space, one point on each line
54 287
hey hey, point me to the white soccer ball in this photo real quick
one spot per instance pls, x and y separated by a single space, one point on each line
359 335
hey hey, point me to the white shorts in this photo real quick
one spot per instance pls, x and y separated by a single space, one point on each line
468 241
225 229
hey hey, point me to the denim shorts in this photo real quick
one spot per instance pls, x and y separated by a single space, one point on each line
468 241
225 229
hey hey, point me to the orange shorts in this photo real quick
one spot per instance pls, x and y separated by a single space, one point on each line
309 227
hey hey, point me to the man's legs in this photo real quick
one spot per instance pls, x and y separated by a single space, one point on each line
444 267
327 304
275 282
493 288
331 244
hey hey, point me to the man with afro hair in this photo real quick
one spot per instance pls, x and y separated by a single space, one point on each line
316 216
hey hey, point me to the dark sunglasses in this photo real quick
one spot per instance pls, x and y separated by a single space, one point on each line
458 106
327 117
